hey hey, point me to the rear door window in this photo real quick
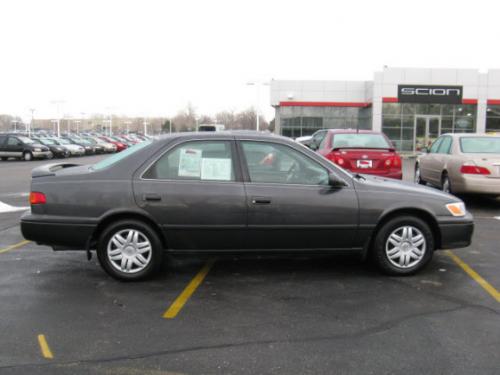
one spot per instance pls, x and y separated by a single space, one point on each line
195 160
2 139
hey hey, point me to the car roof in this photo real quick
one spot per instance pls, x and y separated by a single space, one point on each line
458 135
229 134
351 131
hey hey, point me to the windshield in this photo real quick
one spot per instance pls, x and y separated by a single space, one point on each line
360 140
63 141
120 156
47 141
26 140
480 145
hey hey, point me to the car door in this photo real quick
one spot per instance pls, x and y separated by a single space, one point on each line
290 203
429 164
194 191
13 147
442 157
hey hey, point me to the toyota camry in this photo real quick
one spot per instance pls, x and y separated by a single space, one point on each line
236 192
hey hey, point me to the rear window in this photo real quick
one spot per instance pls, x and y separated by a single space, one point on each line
480 145
360 140
120 156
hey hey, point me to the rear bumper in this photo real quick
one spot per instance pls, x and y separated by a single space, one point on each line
56 234
477 184
456 232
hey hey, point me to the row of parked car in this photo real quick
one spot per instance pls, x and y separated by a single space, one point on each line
47 146
456 163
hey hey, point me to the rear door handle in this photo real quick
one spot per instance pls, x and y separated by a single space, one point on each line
151 197
261 200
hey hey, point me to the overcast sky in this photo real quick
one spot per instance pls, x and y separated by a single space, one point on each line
153 57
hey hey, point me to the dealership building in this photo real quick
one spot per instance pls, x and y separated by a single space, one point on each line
411 106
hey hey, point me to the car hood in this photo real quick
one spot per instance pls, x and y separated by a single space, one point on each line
403 187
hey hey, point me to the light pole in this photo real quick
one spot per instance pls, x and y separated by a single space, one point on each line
77 122
14 122
127 124
145 127
31 123
58 104
257 85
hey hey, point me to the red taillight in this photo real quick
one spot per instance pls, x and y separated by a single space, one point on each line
474 169
37 198
393 162
336 158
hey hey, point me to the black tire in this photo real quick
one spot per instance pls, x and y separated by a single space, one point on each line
446 184
417 175
27 156
379 252
155 259
4 159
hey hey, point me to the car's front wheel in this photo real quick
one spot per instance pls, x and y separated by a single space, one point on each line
403 245
27 156
130 250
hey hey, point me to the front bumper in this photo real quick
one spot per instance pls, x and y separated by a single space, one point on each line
456 232
63 235
42 154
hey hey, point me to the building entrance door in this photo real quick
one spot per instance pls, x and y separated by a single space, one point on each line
427 129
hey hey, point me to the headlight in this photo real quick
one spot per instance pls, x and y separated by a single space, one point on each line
456 209
37 149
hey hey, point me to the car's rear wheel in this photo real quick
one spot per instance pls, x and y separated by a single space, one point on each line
27 156
403 245
446 184
418 177
129 250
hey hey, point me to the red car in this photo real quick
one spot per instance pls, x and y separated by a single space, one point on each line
360 151
119 145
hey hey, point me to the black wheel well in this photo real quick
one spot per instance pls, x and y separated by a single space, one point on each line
421 214
126 216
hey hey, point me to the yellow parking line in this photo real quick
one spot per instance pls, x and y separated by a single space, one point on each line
44 347
12 247
181 300
477 278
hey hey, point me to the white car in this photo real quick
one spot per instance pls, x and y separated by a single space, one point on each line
74 150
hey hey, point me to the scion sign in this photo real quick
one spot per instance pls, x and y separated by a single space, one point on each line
430 94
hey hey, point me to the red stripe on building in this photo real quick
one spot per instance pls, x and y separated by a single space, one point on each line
325 104
469 101
389 100
493 101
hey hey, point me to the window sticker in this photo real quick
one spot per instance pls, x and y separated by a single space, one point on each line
216 169
189 162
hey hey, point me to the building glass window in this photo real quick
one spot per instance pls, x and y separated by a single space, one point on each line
399 119
493 118
301 121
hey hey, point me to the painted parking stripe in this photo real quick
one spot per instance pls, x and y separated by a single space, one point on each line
4 207
44 347
181 300
15 246
475 276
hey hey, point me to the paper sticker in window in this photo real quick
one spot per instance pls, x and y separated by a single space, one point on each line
189 162
216 169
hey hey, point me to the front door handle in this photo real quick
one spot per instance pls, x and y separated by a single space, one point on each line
151 197
261 200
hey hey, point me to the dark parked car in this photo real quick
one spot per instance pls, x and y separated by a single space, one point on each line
58 151
220 192
22 147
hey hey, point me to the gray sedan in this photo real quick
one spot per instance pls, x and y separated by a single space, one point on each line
228 192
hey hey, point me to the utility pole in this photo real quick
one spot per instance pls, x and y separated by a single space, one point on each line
31 123
145 127
257 85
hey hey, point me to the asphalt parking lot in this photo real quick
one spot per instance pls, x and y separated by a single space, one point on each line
62 314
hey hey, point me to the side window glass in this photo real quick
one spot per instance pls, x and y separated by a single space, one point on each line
2 139
276 163
196 160
435 145
323 141
318 137
445 146
12 141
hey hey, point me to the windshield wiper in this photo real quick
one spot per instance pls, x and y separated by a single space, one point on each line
359 176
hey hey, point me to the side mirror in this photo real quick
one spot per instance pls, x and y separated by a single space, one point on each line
424 150
336 182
